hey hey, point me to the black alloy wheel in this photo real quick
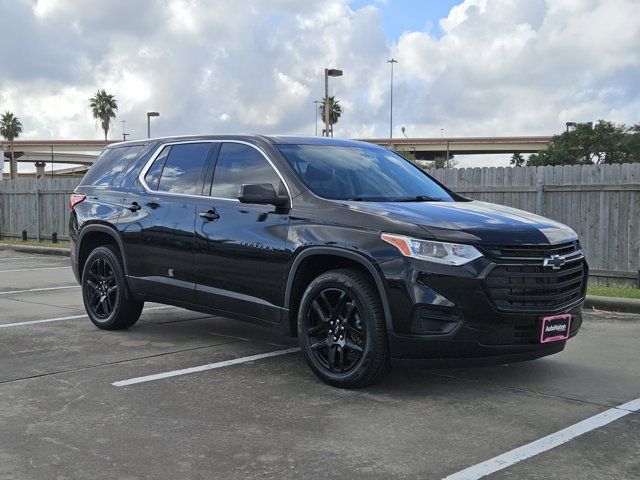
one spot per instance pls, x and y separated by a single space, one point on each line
335 328
103 288
342 329
107 299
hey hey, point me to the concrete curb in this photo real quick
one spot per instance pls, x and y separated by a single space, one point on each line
63 252
613 304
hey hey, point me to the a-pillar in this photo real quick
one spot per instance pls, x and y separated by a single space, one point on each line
40 168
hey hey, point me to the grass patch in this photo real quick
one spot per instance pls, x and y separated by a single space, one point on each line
621 292
15 241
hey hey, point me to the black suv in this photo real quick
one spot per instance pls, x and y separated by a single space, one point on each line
345 244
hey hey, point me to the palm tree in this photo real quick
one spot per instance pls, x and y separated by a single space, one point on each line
10 129
335 110
103 107
517 160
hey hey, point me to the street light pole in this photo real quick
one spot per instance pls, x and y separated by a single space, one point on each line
317 102
326 102
328 72
124 135
392 61
149 115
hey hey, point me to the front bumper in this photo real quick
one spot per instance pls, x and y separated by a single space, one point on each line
488 357
448 314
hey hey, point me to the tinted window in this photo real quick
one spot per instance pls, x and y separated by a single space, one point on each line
153 174
183 168
111 166
360 173
240 164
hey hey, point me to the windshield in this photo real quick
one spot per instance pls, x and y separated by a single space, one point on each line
360 174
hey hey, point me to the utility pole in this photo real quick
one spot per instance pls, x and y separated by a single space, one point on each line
392 61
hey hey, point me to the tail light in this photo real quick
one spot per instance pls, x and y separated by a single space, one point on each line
75 199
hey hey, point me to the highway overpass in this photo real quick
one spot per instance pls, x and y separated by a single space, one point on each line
430 148
81 153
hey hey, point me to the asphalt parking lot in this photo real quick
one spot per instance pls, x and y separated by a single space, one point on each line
63 417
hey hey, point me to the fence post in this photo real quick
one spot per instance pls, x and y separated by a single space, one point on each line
38 208
540 198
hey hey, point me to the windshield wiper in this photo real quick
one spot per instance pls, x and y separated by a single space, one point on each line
417 198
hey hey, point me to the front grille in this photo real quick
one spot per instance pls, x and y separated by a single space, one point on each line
525 333
519 281
533 251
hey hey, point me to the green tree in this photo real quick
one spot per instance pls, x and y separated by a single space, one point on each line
103 108
335 110
411 156
517 160
442 162
606 142
10 129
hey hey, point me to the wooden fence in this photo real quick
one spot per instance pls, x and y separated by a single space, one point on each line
600 202
41 207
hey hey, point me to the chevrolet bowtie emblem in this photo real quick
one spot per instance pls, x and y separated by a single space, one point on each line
554 261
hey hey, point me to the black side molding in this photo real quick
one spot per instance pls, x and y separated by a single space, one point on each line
339 252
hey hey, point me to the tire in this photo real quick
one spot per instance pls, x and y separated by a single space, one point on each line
341 311
105 293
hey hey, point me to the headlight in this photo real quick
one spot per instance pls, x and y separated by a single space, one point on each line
438 252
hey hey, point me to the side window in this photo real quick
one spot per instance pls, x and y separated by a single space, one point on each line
111 165
153 174
183 168
240 164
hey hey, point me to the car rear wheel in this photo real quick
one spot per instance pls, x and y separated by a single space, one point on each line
342 329
105 293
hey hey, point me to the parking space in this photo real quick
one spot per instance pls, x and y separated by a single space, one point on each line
268 416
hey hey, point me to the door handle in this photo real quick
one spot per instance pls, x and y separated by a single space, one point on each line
209 215
134 207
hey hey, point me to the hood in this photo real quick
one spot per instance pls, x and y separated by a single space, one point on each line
474 222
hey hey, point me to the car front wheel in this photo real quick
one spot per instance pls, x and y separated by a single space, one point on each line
342 329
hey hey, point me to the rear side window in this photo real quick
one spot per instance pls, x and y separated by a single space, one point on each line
240 164
111 166
182 172
153 174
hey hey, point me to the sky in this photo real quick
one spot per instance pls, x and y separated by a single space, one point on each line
472 68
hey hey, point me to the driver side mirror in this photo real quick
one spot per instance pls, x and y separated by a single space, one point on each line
261 194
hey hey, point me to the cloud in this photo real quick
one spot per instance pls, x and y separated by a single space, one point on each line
498 67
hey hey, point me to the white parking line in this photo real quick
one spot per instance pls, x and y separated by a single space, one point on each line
546 443
11 292
201 368
46 320
41 257
71 317
33 269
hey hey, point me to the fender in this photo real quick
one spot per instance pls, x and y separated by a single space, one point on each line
340 252
109 230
